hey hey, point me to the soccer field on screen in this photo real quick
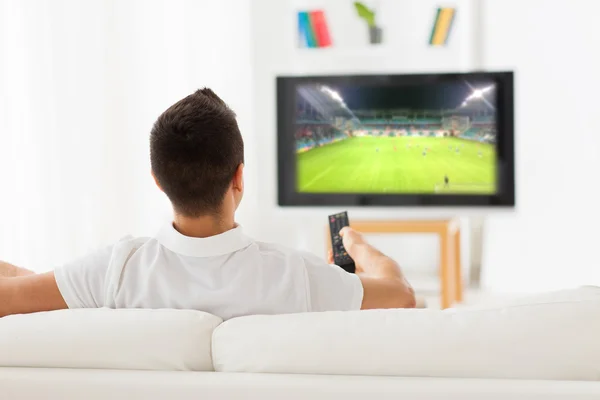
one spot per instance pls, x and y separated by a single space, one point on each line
397 165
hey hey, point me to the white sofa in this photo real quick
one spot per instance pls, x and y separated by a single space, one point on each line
543 347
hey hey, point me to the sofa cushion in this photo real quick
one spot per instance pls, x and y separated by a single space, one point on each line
555 340
114 339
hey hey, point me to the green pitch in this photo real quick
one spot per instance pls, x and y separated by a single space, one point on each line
355 166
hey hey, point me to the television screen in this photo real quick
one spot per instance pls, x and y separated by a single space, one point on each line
383 140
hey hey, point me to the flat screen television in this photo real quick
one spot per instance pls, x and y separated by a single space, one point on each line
396 140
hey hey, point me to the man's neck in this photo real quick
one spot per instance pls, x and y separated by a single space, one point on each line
202 227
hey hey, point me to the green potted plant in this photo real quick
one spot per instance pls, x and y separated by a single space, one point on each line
375 32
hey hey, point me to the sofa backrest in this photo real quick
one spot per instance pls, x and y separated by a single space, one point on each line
109 339
558 340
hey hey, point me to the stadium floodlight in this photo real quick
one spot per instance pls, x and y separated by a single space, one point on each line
464 104
478 93
333 94
336 96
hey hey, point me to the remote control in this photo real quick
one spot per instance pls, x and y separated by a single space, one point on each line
340 255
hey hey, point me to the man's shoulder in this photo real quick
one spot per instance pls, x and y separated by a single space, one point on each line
130 240
280 250
131 244
274 248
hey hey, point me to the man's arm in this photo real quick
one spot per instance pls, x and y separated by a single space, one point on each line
30 293
383 282
12 271
81 284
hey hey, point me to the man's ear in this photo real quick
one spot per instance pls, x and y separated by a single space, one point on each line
238 178
156 181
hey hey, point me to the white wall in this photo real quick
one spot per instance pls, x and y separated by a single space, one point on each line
551 241
81 83
407 25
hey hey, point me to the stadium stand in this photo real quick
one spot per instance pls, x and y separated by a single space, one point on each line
416 121
482 134
370 121
306 121
483 119
322 119
427 121
304 144
471 133
310 136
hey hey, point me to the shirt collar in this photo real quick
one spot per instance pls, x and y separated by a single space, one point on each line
212 246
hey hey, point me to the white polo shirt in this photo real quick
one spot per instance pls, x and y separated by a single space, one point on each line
228 275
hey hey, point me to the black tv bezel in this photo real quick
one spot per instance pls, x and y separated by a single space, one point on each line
286 148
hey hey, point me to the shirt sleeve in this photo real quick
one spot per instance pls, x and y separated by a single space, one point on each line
331 288
81 282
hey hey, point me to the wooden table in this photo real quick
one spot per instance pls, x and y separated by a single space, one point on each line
449 233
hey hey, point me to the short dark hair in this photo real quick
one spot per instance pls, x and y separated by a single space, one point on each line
195 148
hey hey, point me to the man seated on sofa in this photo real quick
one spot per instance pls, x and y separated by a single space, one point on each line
202 260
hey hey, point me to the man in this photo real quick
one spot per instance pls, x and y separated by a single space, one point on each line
201 259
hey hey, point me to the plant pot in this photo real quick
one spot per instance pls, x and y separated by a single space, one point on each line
375 35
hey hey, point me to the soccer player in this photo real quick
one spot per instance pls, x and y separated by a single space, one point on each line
446 181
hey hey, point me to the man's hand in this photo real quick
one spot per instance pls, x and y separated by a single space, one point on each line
383 282
357 268
351 239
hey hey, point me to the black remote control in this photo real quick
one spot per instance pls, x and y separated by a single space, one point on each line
340 255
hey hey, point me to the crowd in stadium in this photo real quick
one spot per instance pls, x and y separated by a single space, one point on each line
310 136
313 133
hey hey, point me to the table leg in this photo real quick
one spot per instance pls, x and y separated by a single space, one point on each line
458 285
446 275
